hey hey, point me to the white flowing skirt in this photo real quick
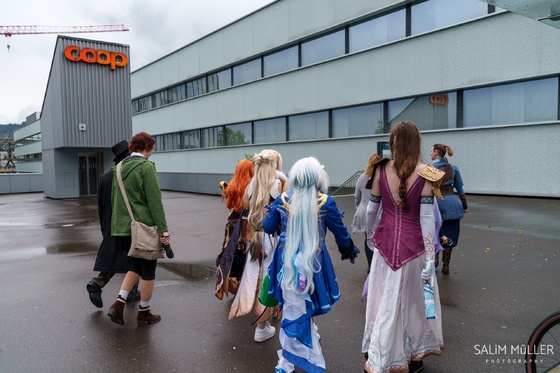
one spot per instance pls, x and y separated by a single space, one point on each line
246 298
396 328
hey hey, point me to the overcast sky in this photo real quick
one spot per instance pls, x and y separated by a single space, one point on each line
157 27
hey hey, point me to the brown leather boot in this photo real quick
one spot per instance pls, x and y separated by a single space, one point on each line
446 258
145 316
116 311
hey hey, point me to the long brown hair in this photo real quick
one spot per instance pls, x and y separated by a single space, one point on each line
236 187
405 153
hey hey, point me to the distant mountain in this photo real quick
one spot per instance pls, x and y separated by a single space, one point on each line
7 129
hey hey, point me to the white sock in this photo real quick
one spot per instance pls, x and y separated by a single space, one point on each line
144 303
123 294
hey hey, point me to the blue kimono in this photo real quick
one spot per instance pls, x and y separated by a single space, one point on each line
298 335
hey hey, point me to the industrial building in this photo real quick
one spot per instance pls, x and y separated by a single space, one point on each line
86 110
328 78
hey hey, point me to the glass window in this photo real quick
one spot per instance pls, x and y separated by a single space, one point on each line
309 126
237 134
434 14
511 103
247 72
209 137
172 95
159 143
278 62
323 48
171 141
196 87
182 92
378 31
219 80
437 111
357 121
190 139
270 130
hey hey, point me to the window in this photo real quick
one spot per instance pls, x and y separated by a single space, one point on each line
247 72
158 143
511 103
196 87
378 31
182 92
237 134
219 80
357 121
323 48
190 139
270 130
209 137
278 62
309 126
437 111
435 14
171 141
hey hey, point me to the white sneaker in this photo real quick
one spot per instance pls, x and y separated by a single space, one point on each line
262 334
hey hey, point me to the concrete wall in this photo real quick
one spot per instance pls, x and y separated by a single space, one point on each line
21 183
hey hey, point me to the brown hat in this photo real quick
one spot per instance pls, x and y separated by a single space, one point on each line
119 149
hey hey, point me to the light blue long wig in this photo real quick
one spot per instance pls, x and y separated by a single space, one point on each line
307 177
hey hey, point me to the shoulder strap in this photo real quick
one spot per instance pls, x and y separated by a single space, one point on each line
376 162
448 173
123 191
434 175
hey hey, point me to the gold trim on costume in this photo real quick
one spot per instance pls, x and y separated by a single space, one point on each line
434 175
321 200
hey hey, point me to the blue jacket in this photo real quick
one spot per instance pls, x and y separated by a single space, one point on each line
451 206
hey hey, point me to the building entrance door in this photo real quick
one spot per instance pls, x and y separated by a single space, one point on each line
89 173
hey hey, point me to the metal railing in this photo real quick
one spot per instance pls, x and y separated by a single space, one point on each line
346 187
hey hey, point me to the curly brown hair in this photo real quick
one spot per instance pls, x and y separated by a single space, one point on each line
140 142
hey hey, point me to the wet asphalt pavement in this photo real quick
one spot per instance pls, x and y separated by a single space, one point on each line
504 279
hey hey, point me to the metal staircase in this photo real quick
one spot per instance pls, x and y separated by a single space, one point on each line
346 187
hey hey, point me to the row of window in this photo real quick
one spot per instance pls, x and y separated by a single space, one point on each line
29 140
409 20
513 103
37 157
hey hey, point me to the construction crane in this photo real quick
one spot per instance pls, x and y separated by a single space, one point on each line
8 31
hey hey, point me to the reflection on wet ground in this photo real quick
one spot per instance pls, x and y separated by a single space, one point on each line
189 271
65 248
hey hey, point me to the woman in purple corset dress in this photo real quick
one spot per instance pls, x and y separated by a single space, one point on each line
397 335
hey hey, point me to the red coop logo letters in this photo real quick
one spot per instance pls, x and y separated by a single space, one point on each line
439 99
89 55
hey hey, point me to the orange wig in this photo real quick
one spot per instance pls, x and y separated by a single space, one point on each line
236 187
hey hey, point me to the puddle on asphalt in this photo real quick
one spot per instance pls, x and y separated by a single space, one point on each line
21 254
189 271
52 249
72 247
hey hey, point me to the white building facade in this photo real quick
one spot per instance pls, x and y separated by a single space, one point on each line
328 78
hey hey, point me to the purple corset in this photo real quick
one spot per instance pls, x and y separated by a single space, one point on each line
399 236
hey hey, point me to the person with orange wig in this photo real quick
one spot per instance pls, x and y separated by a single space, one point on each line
233 192
230 267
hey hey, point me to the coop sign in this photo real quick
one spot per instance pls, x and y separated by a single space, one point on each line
102 57
439 100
